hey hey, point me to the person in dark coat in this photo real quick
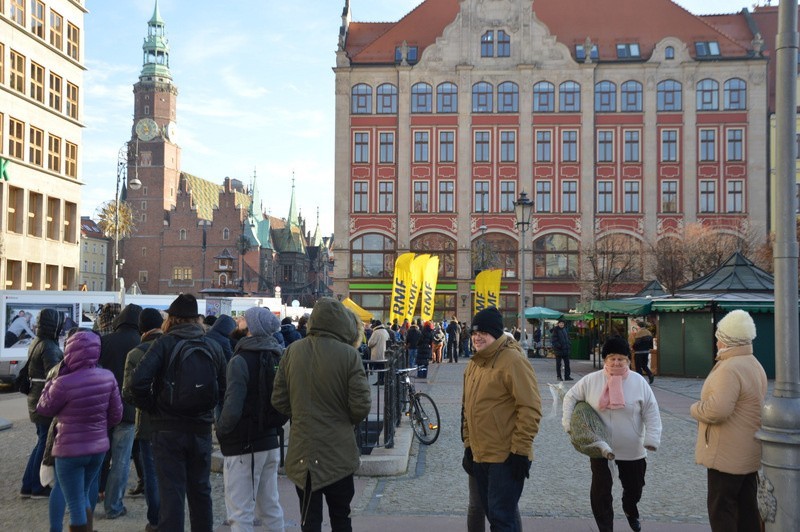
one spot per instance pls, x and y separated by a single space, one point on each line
413 336
43 354
560 342
453 338
289 332
114 349
425 349
220 332
302 325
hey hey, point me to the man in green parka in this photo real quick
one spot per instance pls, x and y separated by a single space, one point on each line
322 387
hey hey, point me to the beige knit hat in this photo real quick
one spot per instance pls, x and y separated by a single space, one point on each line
736 328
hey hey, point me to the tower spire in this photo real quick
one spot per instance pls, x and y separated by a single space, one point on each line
317 238
155 63
292 219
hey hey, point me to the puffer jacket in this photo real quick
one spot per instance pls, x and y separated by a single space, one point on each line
114 348
220 332
290 334
144 429
84 397
43 354
501 403
729 413
321 386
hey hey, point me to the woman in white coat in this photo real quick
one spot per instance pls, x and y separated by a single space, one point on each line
627 406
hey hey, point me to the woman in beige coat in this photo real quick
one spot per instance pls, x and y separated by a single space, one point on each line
729 414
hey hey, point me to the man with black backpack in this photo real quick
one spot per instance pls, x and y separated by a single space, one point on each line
180 381
247 427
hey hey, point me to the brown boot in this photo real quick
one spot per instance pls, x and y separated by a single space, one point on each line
89 520
78 528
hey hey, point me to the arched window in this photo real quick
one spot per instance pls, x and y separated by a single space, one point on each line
631 92
487 44
669 95
223 279
569 97
735 94
707 95
226 234
503 44
447 98
443 247
495 250
669 52
372 255
387 99
508 97
182 234
544 97
482 97
555 256
421 96
605 97
361 99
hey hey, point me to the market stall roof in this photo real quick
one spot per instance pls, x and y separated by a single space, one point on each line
363 315
542 313
653 289
632 306
749 301
738 273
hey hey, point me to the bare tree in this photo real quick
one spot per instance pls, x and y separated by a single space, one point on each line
612 260
669 263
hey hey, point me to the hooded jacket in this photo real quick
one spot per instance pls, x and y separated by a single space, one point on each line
290 334
729 413
412 337
220 332
144 428
43 354
84 397
322 387
114 348
377 343
501 403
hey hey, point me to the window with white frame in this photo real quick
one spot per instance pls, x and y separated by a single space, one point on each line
628 51
605 97
387 147
386 99
481 196
544 94
421 192
385 196
361 148
735 151
447 148
360 196
507 97
421 145
632 149
735 90
569 196
544 147
605 196
482 93
708 145
447 196
544 196
508 193
669 95
632 199
482 146
734 202
569 146
669 145
421 98
631 92
569 97
508 146
707 95
361 99
447 98
669 196
708 196
605 146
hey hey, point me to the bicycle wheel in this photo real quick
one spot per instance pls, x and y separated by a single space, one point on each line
425 418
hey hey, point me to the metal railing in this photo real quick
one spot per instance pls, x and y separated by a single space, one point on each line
378 429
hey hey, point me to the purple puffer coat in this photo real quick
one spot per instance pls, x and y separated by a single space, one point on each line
83 397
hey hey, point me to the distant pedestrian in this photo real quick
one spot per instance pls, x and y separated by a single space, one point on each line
453 338
220 332
561 345
289 332
438 344
642 344
377 348
412 341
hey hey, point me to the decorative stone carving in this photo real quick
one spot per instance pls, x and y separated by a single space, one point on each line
767 503
587 50
757 45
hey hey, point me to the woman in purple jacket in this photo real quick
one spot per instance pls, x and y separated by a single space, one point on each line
86 401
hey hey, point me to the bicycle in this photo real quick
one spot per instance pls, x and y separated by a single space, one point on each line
420 409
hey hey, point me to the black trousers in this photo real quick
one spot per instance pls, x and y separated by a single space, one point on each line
452 350
732 502
642 363
631 475
564 358
338 497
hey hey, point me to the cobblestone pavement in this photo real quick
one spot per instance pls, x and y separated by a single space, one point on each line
435 488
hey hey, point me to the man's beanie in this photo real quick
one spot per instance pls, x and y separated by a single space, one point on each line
490 321
736 328
261 321
616 345
184 306
149 319
286 321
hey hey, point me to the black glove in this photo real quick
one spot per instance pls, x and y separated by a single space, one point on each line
467 461
520 466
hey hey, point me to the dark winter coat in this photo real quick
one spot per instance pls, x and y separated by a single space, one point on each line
412 337
424 349
453 334
643 341
560 341
144 427
290 334
84 397
220 332
43 354
114 348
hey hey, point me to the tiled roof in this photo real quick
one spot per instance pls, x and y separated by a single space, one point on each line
89 228
737 273
205 196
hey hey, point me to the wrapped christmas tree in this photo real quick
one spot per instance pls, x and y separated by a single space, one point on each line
588 433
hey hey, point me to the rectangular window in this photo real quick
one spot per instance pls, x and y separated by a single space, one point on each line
628 50
15 214
37 18
544 147
735 196
508 193
569 146
54 154
708 196
447 196
71 160
708 145
544 196
481 196
53 217
361 148
56 30
37 82
387 148
17 69
181 273
72 101
632 147
35 214
55 92
421 145
605 196
2 62
735 150
36 146
605 146
632 200
360 196
18 12
482 147
569 196
669 197
385 196
73 41
447 147
421 190
508 146
16 138
669 146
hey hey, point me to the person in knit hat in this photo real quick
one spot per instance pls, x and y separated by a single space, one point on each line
501 412
625 402
728 415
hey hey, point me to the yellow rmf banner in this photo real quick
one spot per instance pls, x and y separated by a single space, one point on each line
417 272
401 287
429 280
487 289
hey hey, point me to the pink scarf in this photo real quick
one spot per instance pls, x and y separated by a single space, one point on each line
612 397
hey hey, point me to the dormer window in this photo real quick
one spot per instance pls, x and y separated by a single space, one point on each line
412 55
628 51
707 48
669 52
580 52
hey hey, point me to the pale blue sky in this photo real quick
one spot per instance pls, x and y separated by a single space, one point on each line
255 90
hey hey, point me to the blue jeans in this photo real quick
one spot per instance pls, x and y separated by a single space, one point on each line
499 493
30 479
121 444
77 476
412 357
58 505
150 481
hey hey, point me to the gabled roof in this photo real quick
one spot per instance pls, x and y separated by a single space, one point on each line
205 196
652 289
90 229
737 274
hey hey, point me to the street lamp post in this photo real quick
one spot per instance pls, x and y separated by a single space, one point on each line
524 209
134 184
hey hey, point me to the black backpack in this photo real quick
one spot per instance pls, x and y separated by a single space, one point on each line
268 416
189 385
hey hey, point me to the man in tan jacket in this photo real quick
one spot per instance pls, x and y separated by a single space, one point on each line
729 414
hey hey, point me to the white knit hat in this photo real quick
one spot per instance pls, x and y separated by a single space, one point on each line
736 328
